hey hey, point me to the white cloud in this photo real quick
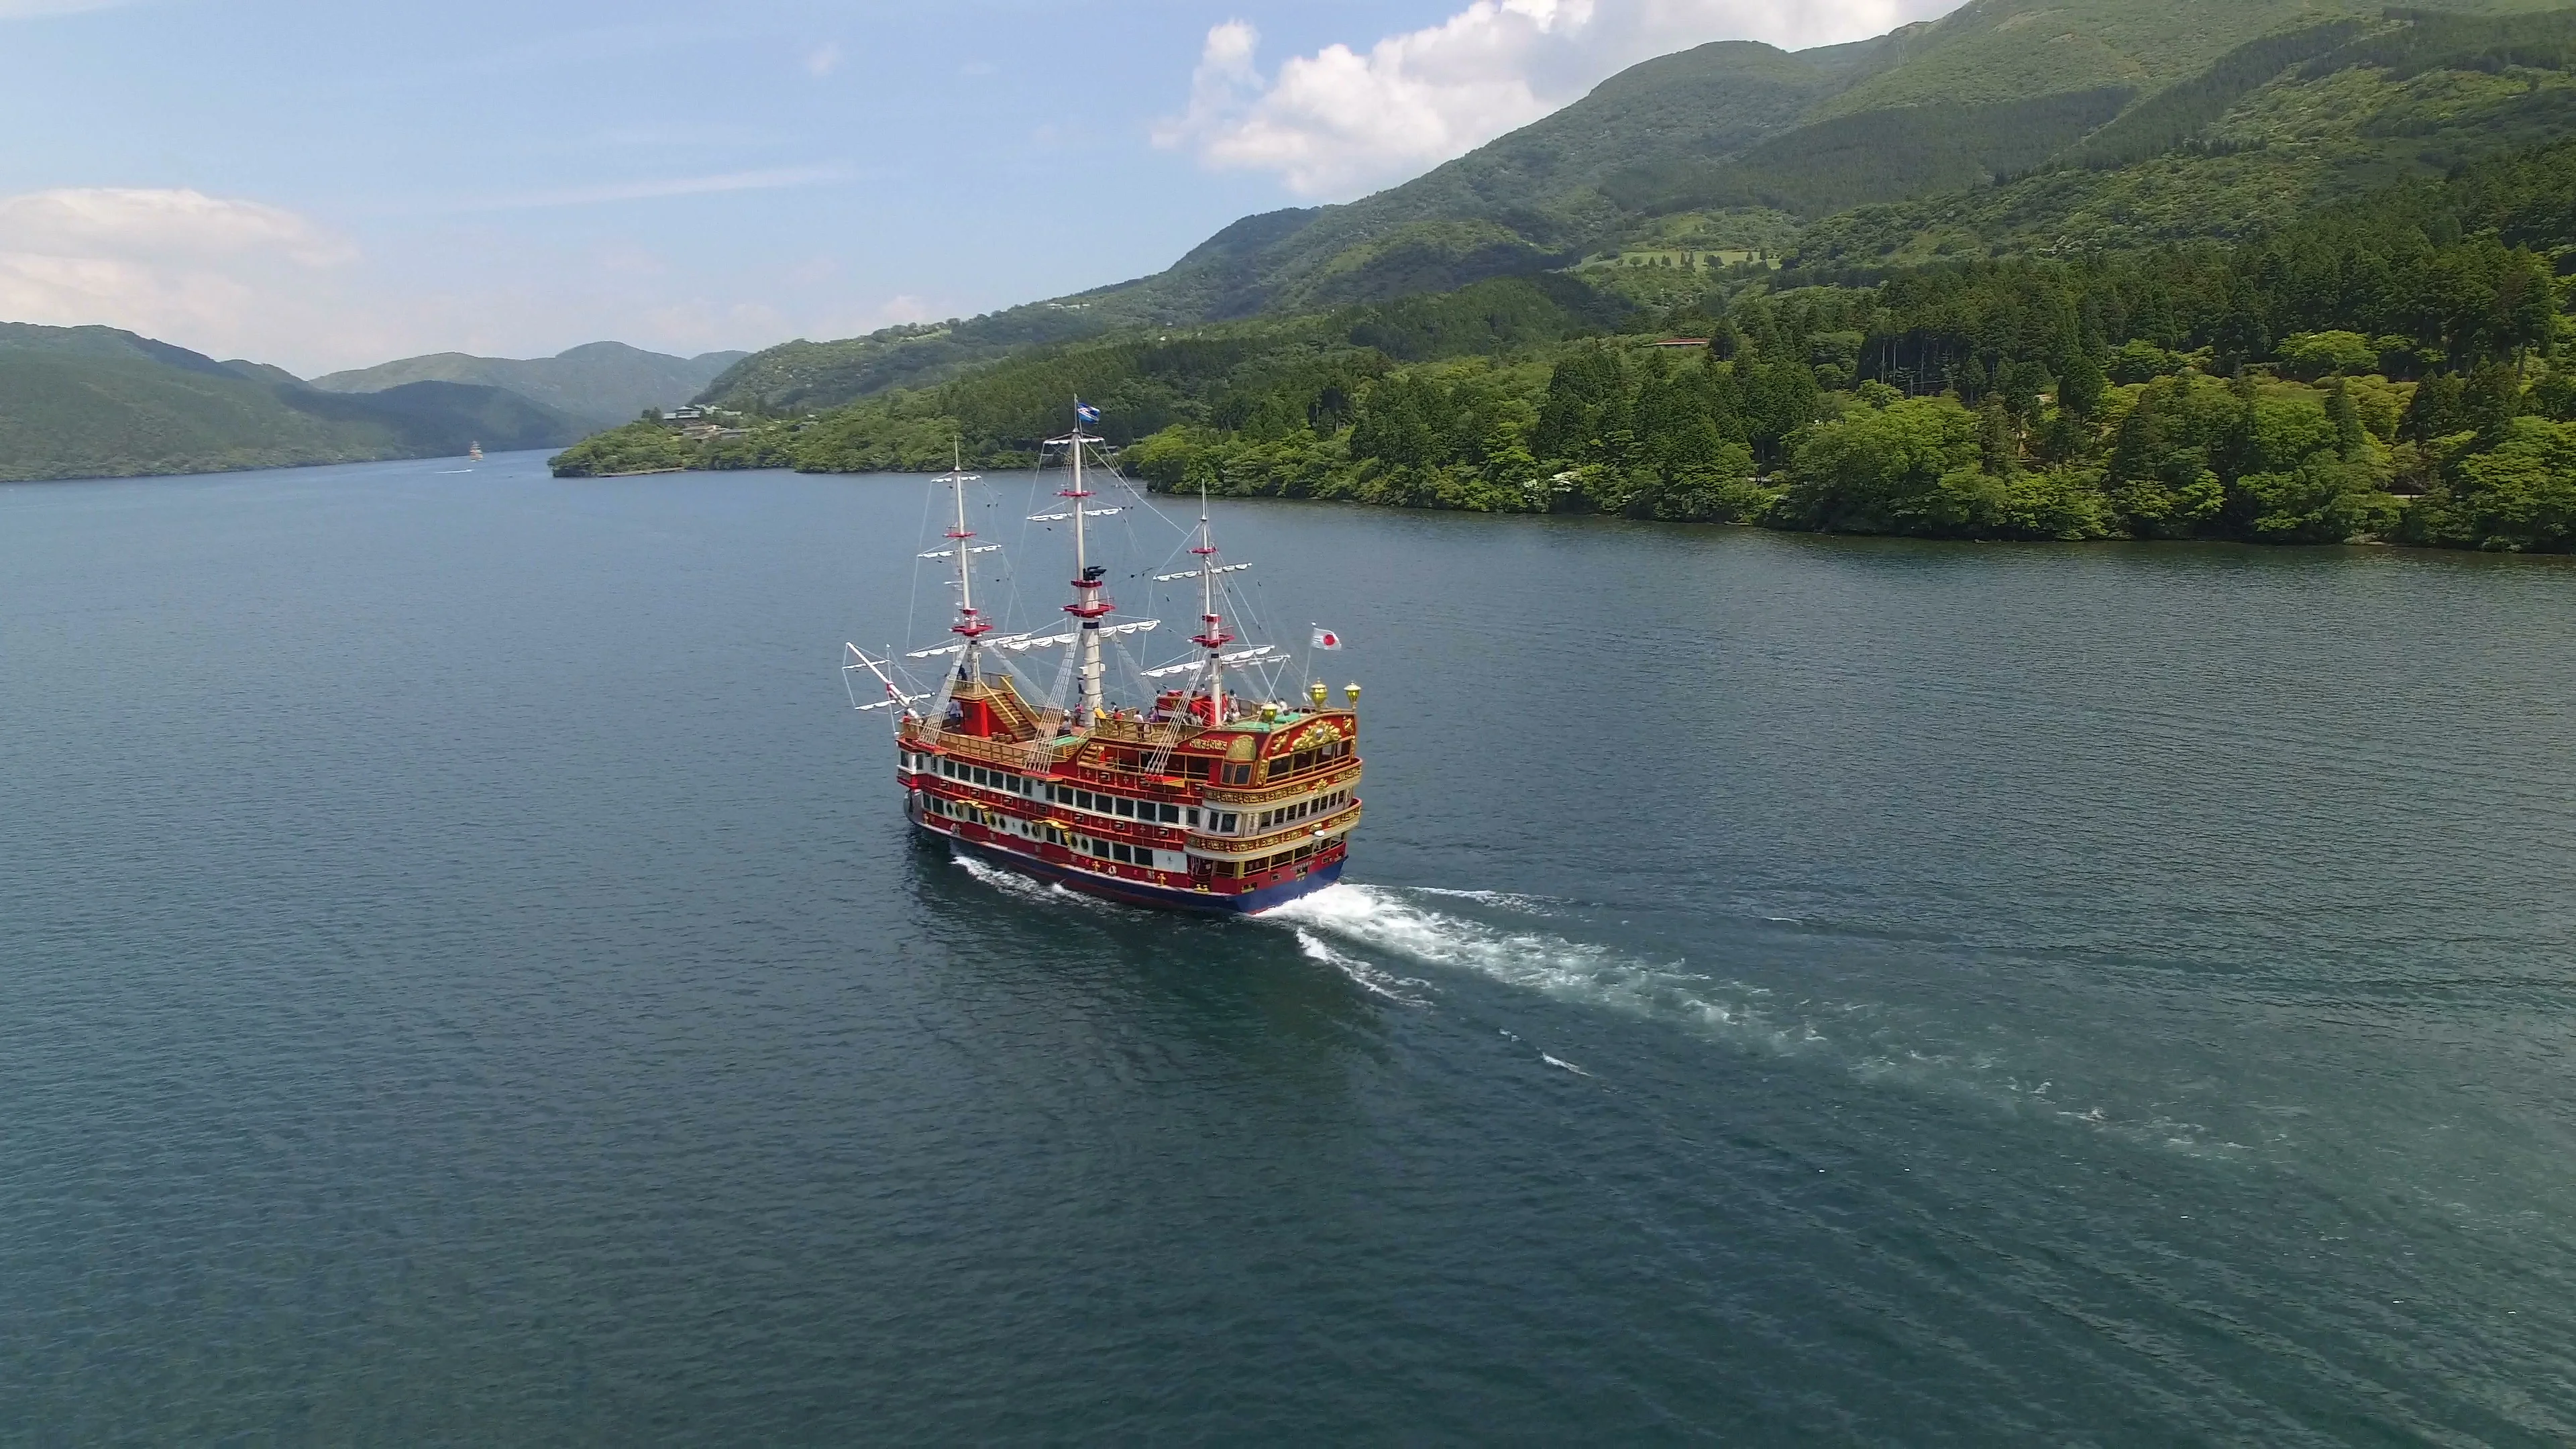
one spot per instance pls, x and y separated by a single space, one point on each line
238 278
1338 122
173 263
773 179
162 224
823 60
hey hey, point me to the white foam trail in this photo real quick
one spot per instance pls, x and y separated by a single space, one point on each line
1027 888
1370 978
1383 920
1561 1063
1527 905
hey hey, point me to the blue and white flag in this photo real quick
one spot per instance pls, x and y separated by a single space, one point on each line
1086 412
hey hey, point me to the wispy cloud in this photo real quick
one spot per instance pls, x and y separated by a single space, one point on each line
1340 121
823 59
24 9
775 178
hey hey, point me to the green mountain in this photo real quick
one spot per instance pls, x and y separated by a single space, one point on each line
91 402
2285 271
599 384
2009 125
2398 368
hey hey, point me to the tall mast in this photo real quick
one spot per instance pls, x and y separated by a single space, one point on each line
1212 636
1089 604
970 623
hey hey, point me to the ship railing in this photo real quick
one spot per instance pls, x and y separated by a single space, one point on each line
1284 790
1033 758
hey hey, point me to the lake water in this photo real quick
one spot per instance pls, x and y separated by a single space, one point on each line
463 978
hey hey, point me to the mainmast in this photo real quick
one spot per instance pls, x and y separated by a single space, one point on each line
1090 601
971 625
1212 636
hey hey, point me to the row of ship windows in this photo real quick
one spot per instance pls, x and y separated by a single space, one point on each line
1149 811
969 774
1239 869
1320 805
1115 850
1220 822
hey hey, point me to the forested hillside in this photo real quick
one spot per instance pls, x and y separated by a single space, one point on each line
2399 368
91 402
2286 272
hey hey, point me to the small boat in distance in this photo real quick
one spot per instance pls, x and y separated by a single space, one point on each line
1200 795
474 452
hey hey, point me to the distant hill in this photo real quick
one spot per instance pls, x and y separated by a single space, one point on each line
1738 144
600 384
90 402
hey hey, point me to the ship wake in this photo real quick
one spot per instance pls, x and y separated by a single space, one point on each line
1358 927
1378 919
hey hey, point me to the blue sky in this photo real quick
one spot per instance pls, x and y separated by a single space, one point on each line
327 185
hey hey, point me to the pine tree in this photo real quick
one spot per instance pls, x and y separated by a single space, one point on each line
2350 436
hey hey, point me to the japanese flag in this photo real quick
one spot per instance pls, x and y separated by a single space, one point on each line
1327 639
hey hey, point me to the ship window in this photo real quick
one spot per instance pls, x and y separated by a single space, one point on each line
1171 815
1194 820
1127 808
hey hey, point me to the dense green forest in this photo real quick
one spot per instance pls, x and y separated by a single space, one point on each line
2401 368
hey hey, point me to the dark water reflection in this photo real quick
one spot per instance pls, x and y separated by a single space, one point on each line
461 978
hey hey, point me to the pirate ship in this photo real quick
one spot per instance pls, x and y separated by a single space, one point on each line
1198 788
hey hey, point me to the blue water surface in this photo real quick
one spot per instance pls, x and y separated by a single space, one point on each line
464 979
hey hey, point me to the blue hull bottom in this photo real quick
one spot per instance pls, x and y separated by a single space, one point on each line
1137 893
